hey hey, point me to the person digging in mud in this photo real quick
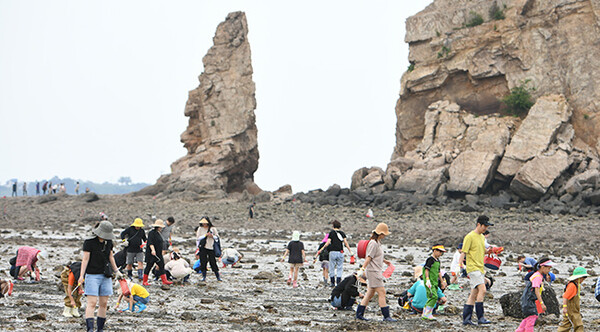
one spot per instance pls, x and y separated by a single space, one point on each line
231 256
166 235
416 298
531 300
373 267
295 249
572 318
178 267
6 288
345 293
433 278
335 244
134 235
97 267
26 263
154 253
474 250
527 265
323 258
138 297
69 276
205 237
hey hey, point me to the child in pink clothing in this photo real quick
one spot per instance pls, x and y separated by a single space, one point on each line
531 300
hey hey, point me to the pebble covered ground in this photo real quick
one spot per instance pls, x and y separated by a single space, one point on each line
254 294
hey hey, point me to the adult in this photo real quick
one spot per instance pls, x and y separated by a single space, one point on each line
166 235
24 188
231 256
26 262
335 244
154 253
474 250
346 292
251 211
14 189
77 188
205 237
37 188
45 187
178 267
373 267
135 236
97 266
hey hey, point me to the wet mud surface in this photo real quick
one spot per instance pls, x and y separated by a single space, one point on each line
254 295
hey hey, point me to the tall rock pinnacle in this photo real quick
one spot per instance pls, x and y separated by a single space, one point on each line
221 137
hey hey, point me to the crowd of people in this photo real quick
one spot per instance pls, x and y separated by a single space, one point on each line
153 252
45 188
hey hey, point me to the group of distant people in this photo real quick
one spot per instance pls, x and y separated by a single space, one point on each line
46 188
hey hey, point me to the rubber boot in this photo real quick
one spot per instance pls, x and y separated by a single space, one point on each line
89 323
163 277
338 280
385 311
75 312
130 274
360 312
67 312
325 280
332 279
218 275
479 310
145 282
468 314
428 314
203 275
101 321
140 274
141 307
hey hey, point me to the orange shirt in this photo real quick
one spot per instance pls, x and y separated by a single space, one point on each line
570 291
72 279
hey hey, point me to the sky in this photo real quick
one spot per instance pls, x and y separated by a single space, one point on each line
96 90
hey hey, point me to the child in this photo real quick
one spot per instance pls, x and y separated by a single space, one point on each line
455 268
572 318
69 277
432 278
323 258
531 300
139 294
297 257
6 288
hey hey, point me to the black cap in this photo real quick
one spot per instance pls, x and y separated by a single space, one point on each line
484 220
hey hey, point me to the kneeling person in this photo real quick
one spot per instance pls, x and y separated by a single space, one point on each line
344 294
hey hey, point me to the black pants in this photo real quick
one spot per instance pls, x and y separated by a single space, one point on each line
206 256
158 260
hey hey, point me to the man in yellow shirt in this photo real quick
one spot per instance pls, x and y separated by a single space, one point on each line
139 295
474 250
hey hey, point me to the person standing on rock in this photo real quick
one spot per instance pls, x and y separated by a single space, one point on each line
14 189
77 188
45 187
373 267
335 244
251 211
24 188
154 253
97 267
166 235
37 188
206 235
474 250
135 236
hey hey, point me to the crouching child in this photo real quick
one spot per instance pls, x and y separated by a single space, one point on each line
68 277
345 293
138 299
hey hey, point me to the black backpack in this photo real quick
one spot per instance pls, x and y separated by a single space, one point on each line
76 269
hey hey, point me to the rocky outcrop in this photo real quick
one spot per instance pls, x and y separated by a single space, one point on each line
511 303
221 137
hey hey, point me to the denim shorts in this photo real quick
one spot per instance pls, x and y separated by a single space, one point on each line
98 285
143 300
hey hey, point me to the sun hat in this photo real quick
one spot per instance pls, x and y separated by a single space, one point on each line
159 223
203 221
579 272
382 228
42 255
138 222
296 236
104 230
438 247
548 263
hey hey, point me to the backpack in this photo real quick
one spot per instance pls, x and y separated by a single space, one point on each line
76 269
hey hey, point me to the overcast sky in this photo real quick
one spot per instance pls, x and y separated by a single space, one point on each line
96 90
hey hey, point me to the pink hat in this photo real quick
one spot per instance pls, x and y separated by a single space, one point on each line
547 263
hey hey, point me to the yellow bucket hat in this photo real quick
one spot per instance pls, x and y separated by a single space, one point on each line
138 222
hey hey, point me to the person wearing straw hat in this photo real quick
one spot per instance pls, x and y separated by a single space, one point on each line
135 236
432 278
97 268
572 318
154 253
531 301
205 237
474 250
373 267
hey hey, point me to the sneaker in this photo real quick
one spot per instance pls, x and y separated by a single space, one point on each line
454 287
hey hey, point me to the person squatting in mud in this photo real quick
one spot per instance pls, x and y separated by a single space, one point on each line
345 293
138 297
97 268
373 267
154 253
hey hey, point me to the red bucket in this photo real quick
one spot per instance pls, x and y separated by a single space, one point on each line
492 262
124 287
361 248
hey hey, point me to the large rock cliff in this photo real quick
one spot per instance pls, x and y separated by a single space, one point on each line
221 137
